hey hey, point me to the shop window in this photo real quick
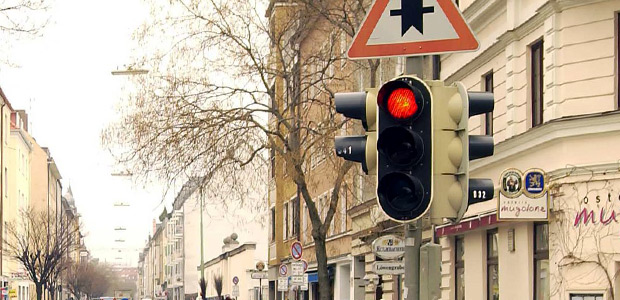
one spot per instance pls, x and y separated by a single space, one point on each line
459 268
536 82
541 262
492 266
488 117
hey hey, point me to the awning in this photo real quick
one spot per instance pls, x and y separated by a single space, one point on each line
467 225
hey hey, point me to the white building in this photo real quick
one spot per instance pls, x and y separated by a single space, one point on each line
218 222
553 67
235 261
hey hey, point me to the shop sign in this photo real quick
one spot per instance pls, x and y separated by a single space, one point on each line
523 196
388 247
389 267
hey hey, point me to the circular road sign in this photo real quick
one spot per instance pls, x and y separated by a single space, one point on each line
283 270
260 266
296 250
235 280
303 261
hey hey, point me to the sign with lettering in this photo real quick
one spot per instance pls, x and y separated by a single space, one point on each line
523 196
389 267
388 247
297 280
297 268
282 284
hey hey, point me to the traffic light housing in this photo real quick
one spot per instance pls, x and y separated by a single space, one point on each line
359 148
404 148
454 148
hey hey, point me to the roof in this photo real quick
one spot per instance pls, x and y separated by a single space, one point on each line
5 99
186 191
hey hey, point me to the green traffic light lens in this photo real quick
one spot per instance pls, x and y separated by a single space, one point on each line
401 146
400 192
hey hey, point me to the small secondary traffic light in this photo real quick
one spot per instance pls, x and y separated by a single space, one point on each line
359 148
404 146
454 148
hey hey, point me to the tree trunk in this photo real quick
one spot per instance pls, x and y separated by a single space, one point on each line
39 290
321 259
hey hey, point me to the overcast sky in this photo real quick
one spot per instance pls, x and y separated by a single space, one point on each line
64 83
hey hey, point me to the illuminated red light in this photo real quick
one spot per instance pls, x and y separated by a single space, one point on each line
401 103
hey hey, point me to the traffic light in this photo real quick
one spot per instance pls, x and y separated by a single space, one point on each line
404 146
359 148
454 148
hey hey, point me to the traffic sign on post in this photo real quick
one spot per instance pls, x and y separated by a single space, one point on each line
297 268
235 280
412 27
296 250
283 270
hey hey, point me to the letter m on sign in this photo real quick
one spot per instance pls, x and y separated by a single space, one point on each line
584 216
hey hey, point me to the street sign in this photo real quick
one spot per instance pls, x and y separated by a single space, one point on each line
296 250
259 275
412 27
282 284
283 270
388 267
305 263
235 280
297 268
235 291
297 280
388 247
304 286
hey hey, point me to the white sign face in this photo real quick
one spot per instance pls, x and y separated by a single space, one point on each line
304 286
388 247
388 267
523 208
282 284
235 291
297 268
297 280
436 26
260 275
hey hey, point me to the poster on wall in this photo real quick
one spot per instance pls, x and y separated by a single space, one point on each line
523 196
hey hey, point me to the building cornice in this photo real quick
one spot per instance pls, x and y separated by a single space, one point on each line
552 131
230 253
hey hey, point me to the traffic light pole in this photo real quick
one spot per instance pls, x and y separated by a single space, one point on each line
413 241
413 231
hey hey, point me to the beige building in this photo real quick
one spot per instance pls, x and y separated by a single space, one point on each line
553 67
236 260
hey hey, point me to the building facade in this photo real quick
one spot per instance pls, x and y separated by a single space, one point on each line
553 68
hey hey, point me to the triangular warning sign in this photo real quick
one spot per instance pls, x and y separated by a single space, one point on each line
412 27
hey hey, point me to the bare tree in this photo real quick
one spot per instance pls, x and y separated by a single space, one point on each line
40 251
228 91
21 19
79 278
218 281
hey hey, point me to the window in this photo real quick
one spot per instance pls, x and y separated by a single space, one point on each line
273 223
343 209
536 82
285 221
541 262
272 159
586 296
492 266
488 117
295 216
459 268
